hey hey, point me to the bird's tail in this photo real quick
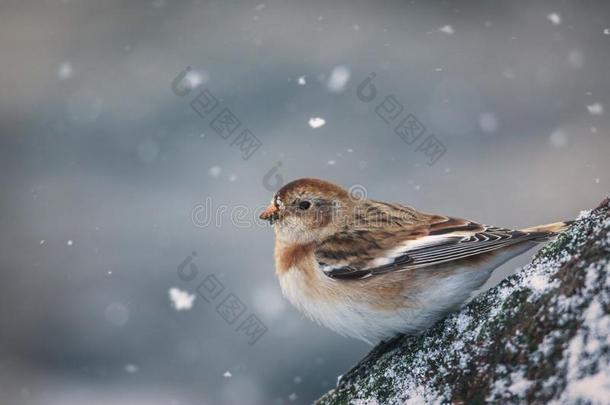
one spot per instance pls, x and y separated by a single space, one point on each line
549 230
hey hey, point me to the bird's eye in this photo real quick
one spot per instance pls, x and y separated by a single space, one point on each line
303 205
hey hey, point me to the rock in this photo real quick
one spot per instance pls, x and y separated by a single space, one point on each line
541 336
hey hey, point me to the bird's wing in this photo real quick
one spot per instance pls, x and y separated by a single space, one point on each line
364 253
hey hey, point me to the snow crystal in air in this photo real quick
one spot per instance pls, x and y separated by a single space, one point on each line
117 314
338 79
227 374
260 7
232 178
488 123
70 242
84 106
554 18
302 81
606 31
316 122
215 171
42 242
576 59
196 77
292 397
558 139
447 29
331 162
131 368
148 151
508 73
595 109
181 300
65 71
268 301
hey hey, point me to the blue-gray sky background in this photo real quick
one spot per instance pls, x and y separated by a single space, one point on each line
96 149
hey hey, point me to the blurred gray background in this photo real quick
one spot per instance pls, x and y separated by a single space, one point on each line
102 166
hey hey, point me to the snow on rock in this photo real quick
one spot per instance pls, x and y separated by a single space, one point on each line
540 336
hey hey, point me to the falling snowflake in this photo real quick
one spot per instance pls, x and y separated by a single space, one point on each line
338 79
558 139
595 109
65 71
215 171
302 81
131 368
196 77
181 300
227 374
488 123
554 18
70 242
316 122
447 29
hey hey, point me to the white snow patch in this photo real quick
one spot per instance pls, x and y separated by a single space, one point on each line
181 300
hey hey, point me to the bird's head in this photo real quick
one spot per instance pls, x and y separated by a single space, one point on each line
308 210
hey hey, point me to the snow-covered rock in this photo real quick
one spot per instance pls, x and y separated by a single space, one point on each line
541 336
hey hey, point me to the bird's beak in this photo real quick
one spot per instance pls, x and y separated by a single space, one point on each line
270 213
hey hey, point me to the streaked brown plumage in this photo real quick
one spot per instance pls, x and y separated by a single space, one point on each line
371 269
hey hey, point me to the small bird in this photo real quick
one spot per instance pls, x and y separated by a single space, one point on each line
372 270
